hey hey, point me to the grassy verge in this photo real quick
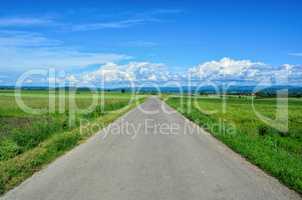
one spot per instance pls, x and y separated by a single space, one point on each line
23 136
278 153
14 171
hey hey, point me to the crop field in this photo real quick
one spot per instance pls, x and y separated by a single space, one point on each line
31 138
234 121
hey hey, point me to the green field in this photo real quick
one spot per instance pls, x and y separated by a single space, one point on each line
276 151
30 140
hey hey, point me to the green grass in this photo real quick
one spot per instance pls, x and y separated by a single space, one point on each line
29 141
277 152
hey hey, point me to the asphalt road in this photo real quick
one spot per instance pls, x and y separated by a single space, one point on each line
151 153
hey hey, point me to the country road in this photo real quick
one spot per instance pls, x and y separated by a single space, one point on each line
151 153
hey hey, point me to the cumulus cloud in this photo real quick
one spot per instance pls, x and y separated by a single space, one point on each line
135 72
245 71
146 71
71 79
229 69
289 73
109 72
225 70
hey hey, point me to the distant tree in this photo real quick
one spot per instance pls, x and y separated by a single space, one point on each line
123 90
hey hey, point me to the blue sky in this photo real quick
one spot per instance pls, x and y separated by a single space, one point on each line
176 36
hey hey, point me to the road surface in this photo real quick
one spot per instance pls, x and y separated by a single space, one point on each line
151 153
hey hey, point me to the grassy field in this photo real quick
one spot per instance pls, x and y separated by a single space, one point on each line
236 124
30 140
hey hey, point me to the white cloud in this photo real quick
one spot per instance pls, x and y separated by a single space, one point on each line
291 74
110 24
140 44
21 59
131 72
24 21
108 72
128 19
167 11
28 81
225 70
71 79
133 20
146 71
246 71
295 54
21 51
229 69
25 39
